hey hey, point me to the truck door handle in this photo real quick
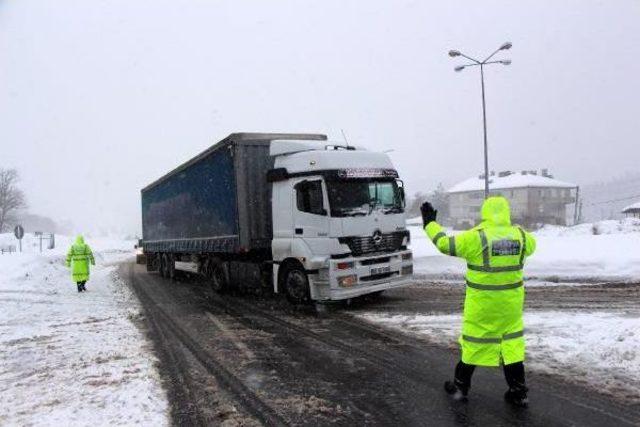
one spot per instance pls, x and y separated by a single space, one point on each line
299 230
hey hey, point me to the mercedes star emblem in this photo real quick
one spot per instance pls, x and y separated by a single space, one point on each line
377 237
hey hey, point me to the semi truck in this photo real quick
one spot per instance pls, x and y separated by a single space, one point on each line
290 213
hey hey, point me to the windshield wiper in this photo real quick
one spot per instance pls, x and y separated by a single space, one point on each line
352 211
395 209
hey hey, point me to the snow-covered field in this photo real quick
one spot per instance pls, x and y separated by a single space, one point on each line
69 358
603 251
601 349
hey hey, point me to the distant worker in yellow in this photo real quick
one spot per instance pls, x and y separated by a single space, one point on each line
78 259
492 328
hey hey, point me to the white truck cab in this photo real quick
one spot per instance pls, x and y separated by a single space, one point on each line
339 212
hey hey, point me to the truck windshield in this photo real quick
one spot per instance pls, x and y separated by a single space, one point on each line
354 197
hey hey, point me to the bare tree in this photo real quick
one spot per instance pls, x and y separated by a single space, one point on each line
11 197
414 203
438 198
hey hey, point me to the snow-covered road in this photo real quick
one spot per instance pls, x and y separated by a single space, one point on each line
69 358
600 349
588 343
83 359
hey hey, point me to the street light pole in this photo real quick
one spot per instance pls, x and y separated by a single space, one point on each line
481 64
484 127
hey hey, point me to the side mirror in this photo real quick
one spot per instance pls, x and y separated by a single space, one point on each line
401 191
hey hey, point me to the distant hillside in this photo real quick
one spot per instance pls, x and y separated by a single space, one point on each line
32 222
605 200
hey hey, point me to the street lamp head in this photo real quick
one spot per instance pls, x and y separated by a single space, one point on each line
506 46
454 53
506 62
459 68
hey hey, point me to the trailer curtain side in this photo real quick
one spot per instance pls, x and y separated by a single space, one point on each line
219 201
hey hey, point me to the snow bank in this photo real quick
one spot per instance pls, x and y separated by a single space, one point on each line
600 349
602 251
588 258
69 358
623 226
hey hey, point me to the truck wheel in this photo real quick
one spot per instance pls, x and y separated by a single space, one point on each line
375 295
296 286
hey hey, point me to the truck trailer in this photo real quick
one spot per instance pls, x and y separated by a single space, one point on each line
291 213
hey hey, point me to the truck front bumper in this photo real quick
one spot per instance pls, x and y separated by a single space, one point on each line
355 276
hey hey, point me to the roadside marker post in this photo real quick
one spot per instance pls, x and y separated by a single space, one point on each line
19 233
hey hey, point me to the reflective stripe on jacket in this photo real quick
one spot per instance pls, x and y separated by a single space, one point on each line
495 252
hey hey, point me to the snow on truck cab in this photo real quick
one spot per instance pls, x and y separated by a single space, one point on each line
289 212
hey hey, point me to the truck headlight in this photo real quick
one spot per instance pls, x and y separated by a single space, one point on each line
408 256
347 281
406 270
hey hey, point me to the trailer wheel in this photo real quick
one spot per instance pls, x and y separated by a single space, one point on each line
153 262
296 285
164 264
218 278
160 265
171 267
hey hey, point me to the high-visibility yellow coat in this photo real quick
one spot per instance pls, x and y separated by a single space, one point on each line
78 258
495 251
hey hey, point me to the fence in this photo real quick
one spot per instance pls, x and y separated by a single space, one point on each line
7 249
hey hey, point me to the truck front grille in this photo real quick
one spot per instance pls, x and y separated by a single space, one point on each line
373 261
390 242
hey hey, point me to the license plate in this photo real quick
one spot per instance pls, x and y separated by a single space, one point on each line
380 270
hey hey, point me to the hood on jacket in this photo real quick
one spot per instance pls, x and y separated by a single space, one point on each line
79 240
495 211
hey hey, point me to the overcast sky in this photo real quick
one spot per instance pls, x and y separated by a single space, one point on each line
99 98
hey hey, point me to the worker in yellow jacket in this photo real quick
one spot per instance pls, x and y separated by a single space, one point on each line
78 259
492 329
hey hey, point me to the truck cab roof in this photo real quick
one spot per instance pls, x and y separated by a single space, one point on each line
305 156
